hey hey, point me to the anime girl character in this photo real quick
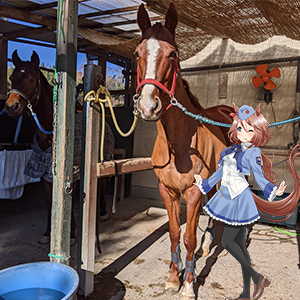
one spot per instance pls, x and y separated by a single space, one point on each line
233 203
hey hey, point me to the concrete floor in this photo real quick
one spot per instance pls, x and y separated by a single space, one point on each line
135 258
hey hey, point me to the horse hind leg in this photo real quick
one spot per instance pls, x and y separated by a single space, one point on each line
192 198
208 235
172 205
207 239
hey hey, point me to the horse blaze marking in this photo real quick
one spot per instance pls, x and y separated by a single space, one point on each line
146 101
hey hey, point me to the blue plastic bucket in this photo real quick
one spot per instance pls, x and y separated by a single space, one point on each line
46 276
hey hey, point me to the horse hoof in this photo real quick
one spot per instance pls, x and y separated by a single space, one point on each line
171 288
188 291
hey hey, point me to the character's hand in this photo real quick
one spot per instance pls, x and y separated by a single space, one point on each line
281 188
198 179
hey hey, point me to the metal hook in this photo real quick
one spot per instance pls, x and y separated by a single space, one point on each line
68 188
30 107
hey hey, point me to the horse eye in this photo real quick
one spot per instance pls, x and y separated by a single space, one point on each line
136 54
32 80
173 54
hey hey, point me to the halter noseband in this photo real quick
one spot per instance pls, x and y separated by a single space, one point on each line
158 84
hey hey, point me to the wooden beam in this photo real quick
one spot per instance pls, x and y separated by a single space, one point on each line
35 7
108 12
127 22
27 42
28 32
123 166
21 15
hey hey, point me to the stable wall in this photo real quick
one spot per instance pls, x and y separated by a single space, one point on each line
205 85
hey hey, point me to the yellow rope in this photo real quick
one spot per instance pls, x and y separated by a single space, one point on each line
95 96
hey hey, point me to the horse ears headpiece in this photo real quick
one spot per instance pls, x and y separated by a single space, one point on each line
245 112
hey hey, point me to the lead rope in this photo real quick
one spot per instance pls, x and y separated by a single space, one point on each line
202 119
95 96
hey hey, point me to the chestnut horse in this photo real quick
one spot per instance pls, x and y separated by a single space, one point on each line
31 93
183 146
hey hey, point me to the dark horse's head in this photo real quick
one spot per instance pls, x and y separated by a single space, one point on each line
157 63
25 85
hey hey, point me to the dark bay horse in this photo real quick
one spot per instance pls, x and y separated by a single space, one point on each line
183 146
31 91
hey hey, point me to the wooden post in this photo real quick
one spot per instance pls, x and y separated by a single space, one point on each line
3 69
297 107
63 143
88 186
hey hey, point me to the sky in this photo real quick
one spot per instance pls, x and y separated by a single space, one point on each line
47 55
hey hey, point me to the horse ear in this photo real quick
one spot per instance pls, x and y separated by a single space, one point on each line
171 19
143 18
35 59
258 110
15 58
236 110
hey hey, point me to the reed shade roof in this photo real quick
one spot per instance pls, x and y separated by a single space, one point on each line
100 29
243 21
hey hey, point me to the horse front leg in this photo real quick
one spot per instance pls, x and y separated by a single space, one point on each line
192 197
172 204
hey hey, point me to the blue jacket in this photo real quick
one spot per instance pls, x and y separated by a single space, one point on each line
246 160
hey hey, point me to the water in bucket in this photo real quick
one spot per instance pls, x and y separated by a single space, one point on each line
33 293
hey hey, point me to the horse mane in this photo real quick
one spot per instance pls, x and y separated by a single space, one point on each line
193 98
45 81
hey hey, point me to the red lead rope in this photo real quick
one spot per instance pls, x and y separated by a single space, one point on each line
157 83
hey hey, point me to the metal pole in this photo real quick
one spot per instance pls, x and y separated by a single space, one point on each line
88 186
240 64
63 143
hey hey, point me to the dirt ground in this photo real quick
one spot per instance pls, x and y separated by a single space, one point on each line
135 245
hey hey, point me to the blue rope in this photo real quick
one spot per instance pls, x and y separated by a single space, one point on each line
39 125
2 112
280 162
284 122
202 119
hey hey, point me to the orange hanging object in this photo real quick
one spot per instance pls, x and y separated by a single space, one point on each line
265 77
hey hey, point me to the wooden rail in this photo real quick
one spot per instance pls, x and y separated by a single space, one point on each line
124 166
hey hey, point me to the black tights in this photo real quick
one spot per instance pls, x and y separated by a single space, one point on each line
234 242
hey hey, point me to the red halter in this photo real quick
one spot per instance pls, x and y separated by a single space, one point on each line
157 83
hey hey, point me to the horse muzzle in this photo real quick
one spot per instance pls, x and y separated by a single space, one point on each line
12 106
150 110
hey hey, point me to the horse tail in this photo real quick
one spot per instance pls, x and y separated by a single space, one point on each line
283 208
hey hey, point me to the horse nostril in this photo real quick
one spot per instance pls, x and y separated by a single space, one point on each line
157 106
16 106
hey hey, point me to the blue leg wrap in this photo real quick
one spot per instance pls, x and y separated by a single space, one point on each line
190 267
175 258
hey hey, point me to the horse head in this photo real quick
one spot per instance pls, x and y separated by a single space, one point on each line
157 56
25 85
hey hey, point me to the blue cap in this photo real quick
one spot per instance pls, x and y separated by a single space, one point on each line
245 112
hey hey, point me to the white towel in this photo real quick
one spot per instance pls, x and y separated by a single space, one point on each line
12 177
